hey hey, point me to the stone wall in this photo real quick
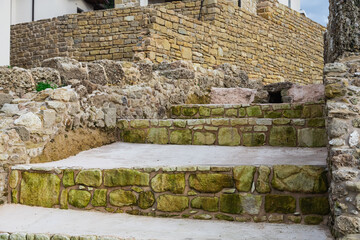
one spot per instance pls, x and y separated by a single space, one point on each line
342 84
287 47
343 33
244 193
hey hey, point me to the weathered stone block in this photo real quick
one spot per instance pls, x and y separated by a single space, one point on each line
282 136
4 236
176 110
280 204
244 176
139 123
292 113
189 111
14 196
217 111
17 236
312 137
39 189
79 198
254 111
273 114
262 183
158 136
125 177
230 203
313 220
204 111
316 122
122 198
134 136
99 198
250 203
204 138
174 183
228 137
91 178
210 182
253 139
295 219
210 204
68 178
224 217
64 199
314 205
14 178
171 203
182 137
307 179
146 199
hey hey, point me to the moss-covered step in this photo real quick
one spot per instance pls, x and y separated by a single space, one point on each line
284 110
226 131
279 193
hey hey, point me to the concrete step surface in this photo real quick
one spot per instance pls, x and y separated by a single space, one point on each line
96 225
130 155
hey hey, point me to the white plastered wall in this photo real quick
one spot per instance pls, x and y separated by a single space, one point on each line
5 16
22 9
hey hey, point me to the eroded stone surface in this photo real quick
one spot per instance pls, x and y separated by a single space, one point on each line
174 183
121 198
79 198
125 177
170 203
244 176
210 204
92 178
210 182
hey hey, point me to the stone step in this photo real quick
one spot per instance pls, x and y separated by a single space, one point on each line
283 110
198 182
24 222
226 131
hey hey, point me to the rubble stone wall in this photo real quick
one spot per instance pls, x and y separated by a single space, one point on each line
284 47
244 193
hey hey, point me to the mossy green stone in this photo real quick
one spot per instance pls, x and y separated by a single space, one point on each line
242 112
122 124
228 137
180 123
262 183
253 139
14 178
139 123
295 219
314 205
40 189
189 111
210 182
273 114
79 198
280 204
292 113
282 136
99 198
146 199
230 203
158 136
165 123
231 112
174 183
134 136
125 177
120 198
313 220
172 203
281 121
224 217
217 111
254 111
14 196
204 138
64 199
182 137
91 178
312 137
244 176
316 122
176 110
68 178
204 111
305 179
313 111
203 217
210 204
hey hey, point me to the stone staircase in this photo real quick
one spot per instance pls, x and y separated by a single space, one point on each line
250 165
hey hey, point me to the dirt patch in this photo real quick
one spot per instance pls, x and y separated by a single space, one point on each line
73 142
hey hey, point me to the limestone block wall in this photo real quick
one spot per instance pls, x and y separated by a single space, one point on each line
243 193
342 84
286 47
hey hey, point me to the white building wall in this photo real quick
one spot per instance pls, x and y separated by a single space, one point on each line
5 17
294 4
22 9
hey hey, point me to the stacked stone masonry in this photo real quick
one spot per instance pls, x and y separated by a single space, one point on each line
272 49
282 193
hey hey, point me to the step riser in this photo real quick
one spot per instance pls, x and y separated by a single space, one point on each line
226 132
244 193
195 111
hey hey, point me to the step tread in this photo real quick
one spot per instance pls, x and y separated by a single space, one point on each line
130 155
25 219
